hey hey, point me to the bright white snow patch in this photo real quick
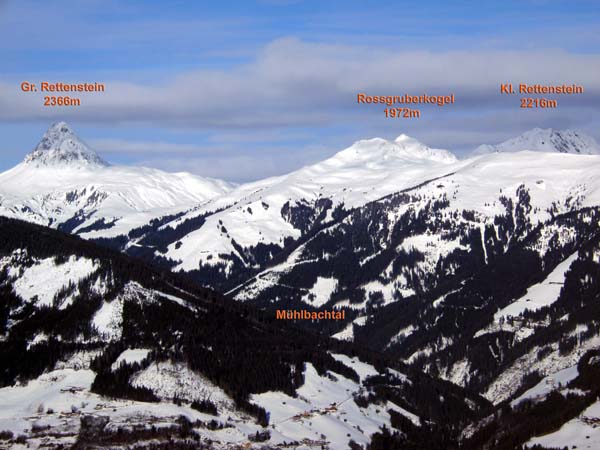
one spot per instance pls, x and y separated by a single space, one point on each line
44 279
321 292
49 391
169 379
387 290
401 335
539 295
433 247
79 360
347 334
459 373
131 356
581 432
108 320
56 399
362 369
38 339
548 384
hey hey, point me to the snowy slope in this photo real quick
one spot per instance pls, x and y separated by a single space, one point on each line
545 140
141 356
325 413
60 398
63 179
252 213
554 183
48 411
39 282
539 295
548 384
581 433
410 217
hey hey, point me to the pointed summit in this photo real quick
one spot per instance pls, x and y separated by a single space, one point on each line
60 146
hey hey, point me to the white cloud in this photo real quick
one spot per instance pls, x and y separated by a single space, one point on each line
251 165
124 146
294 83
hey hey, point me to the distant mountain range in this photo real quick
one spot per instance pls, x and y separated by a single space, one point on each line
482 272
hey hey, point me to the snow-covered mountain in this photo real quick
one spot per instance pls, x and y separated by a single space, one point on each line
235 236
545 140
268 212
64 183
60 146
469 197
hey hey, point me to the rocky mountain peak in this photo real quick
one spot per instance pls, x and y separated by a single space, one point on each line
60 146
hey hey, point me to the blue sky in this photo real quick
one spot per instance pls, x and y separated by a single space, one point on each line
242 90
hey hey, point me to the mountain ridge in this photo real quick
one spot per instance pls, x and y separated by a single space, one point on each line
545 140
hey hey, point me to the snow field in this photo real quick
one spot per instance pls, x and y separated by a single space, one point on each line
581 432
508 382
131 356
547 385
40 282
539 295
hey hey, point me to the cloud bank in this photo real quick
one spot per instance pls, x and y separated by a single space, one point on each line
295 83
295 87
